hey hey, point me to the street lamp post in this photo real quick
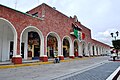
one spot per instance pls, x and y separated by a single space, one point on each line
112 35
115 36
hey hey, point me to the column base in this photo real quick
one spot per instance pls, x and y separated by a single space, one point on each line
61 57
99 55
95 55
17 60
76 54
86 56
44 59
91 55
72 57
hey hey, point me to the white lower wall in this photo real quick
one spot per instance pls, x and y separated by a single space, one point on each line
1 35
25 41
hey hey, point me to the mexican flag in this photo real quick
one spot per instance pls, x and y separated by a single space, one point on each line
76 33
83 36
79 35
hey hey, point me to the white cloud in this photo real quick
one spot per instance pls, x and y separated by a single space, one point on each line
101 16
106 37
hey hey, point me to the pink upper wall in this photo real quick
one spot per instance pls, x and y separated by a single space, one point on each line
49 19
58 22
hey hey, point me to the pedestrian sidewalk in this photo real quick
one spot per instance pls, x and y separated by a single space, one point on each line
5 65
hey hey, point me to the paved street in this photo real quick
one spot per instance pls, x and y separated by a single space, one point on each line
99 73
60 70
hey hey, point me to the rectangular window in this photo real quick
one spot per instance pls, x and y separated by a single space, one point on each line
35 14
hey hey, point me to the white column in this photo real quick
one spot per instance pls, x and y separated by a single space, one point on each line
4 44
95 52
71 49
26 46
1 42
91 51
59 48
43 47
80 50
98 50
86 50
103 50
15 47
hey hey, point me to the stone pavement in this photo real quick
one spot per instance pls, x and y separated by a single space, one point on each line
52 71
101 72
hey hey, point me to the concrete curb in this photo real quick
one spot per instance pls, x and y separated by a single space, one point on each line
39 63
114 75
22 65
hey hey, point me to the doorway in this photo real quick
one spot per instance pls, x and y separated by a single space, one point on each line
33 45
11 49
36 51
52 46
22 50
66 47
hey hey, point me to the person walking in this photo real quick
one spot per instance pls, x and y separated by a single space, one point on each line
57 60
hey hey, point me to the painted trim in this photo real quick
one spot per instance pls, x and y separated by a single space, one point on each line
58 40
89 49
71 53
78 42
40 35
84 47
15 36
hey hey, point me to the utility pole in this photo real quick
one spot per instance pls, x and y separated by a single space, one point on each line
38 2
15 4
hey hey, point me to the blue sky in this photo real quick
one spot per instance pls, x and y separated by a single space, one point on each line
101 16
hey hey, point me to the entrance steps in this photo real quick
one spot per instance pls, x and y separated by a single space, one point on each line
5 63
23 62
29 61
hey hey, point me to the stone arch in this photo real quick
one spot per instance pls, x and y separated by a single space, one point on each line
81 50
103 50
24 34
70 49
8 34
84 48
97 51
58 49
89 49
100 49
76 47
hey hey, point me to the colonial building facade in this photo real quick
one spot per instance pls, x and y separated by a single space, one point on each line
42 32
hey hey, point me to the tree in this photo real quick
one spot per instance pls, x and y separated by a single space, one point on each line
116 44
